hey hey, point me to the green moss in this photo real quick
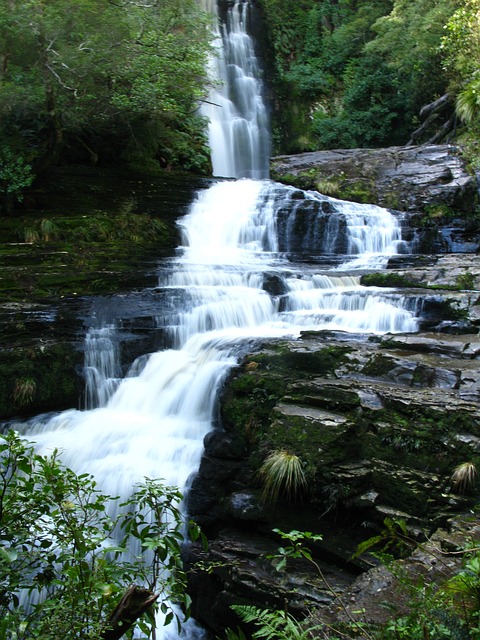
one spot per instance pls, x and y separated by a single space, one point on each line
35 380
418 439
387 279
320 362
83 255
378 366
302 180
466 281
316 443
362 190
438 214
248 403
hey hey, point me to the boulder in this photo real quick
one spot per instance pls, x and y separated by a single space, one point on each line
409 178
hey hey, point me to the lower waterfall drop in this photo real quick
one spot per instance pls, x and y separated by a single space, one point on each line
154 423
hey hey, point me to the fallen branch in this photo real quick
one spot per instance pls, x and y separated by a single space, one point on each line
134 603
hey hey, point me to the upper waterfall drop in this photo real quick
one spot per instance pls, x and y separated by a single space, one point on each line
239 129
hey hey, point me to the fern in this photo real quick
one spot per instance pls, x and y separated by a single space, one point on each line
273 625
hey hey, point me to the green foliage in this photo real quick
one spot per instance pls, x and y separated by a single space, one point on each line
466 281
99 80
448 609
272 625
387 279
460 50
282 474
393 540
280 625
297 547
15 174
125 225
468 102
62 551
355 74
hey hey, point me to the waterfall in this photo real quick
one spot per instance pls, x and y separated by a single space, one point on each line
239 126
102 365
217 296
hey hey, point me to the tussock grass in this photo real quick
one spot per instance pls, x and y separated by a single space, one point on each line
464 477
282 474
24 391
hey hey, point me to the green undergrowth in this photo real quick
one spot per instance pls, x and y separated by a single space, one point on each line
43 378
77 254
360 190
465 281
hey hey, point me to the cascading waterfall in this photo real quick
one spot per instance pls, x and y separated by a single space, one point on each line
239 125
102 366
218 297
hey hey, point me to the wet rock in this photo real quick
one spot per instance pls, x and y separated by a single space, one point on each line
245 506
242 573
382 593
403 178
379 425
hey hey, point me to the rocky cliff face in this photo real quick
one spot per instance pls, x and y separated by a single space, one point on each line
429 183
380 425
404 178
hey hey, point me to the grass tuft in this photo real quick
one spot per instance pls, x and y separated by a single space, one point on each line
24 391
464 477
282 474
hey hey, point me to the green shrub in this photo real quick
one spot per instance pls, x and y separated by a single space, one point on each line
57 546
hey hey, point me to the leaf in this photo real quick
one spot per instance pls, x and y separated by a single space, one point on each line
8 555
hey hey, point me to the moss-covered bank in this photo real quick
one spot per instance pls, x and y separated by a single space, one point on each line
81 232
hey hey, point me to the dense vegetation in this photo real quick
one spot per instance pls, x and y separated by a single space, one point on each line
64 568
357 73
98 81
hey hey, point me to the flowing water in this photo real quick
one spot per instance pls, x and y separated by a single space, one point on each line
239 131
238 238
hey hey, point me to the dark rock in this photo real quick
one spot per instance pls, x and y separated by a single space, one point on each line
380 426
245 506
274 284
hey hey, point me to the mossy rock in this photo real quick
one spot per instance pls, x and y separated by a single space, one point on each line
300 359
39 379
388 279
316 436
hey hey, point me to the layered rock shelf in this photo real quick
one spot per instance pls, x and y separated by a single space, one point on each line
409 178
380 424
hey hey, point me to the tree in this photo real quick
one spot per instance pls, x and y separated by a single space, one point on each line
460 48
66 570
77 79
329 54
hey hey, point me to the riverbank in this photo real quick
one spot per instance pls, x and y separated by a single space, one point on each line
81 233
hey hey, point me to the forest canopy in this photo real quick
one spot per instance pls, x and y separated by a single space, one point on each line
98 80
357 73
120 81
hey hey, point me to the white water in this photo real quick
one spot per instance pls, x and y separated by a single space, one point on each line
152 423
239 125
